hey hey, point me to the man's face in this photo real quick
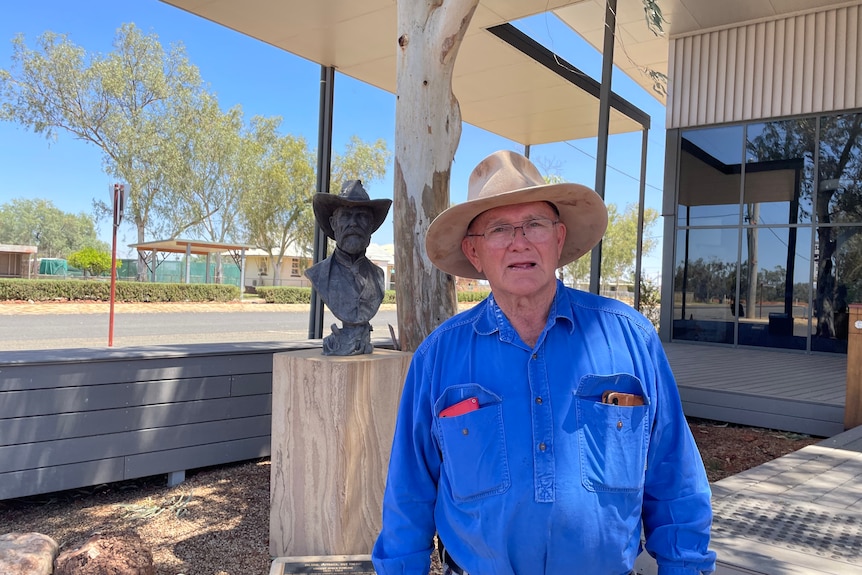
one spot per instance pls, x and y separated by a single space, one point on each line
523 267
352 228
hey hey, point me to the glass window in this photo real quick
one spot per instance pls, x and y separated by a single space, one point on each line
774 306
710 176
837 283
779 172
839 192
704 284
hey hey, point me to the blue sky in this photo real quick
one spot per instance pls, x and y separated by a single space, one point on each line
270 82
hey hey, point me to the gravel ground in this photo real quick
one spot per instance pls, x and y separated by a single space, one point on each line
217 521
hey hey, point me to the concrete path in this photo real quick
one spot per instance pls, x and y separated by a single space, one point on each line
800 514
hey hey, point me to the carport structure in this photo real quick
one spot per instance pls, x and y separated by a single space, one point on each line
149 253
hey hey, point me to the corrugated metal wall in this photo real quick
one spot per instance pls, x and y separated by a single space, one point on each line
802 64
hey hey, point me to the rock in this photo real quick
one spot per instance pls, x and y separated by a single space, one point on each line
119 554
27 554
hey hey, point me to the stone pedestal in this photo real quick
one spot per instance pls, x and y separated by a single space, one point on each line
853 403
333 418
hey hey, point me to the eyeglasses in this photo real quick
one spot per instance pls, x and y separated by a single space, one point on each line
536 231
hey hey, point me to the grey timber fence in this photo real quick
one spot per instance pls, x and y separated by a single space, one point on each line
77 418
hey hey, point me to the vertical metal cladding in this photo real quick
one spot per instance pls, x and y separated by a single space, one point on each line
802 64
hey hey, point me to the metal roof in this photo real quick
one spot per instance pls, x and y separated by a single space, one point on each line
197 247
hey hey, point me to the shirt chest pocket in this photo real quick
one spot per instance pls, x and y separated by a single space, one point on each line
612 439
473 444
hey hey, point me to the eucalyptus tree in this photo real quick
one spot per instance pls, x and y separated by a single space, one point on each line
206 186
619 246
278 177
38 222
427 132
127 103
279 182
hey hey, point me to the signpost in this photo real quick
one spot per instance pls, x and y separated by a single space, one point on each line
119 204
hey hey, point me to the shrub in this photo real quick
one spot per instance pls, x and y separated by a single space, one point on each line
100 290
92 261
272 294
472 296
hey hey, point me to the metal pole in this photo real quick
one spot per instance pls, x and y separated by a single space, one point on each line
324 155
241 273
604 126
639 248
113 269
119 204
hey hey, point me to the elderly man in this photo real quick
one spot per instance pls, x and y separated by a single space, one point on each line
539 432
350 285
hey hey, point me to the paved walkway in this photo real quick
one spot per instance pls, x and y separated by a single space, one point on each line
800 514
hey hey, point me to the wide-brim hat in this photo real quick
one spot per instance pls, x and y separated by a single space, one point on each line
505 178
352 195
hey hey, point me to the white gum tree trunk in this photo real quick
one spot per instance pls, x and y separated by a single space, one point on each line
427 131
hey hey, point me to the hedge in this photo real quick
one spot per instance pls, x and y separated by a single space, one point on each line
100 290
302 295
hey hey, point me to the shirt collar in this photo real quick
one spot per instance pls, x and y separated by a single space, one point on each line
345 259
494 320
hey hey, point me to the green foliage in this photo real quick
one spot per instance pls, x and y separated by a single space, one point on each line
472 296
302 295
279 183
271 294
650 300
134 104
654 18
92 261
40 223
186 165
52 290
619 247
659 80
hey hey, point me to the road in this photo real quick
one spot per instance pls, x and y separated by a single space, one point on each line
73 330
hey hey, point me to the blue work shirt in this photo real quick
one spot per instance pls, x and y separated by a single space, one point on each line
544 478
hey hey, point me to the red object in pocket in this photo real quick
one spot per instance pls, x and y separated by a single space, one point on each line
466 406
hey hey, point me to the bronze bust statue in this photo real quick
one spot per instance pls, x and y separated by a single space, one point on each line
349 284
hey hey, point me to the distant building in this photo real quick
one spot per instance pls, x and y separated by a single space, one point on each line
15 260
260 266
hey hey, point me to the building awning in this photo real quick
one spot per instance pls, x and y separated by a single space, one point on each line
196 247
17 249
500 87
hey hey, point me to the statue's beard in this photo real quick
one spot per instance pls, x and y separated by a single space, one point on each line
354 244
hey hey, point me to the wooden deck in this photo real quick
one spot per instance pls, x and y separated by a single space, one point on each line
790 391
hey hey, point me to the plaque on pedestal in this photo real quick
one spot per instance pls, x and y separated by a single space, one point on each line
329 565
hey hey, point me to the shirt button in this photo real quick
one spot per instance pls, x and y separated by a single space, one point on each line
542 446
535 356
539 401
